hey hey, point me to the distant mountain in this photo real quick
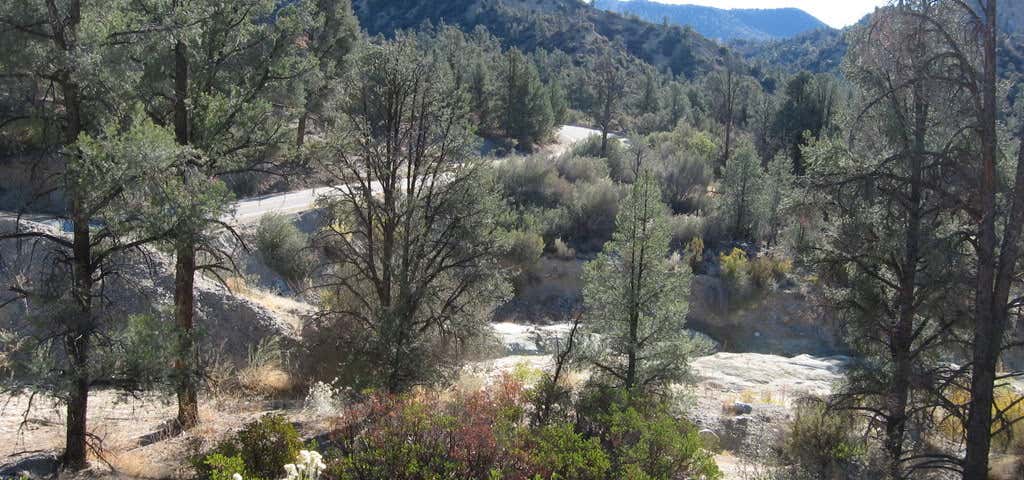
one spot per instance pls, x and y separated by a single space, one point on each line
823 50
740 24
572 26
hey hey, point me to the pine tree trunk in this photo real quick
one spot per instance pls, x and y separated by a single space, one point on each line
75 453
987 334
184 313
300 136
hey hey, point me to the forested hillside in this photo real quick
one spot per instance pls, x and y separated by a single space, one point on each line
716 23
572 26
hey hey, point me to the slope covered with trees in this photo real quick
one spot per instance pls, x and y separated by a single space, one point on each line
720 24
572 26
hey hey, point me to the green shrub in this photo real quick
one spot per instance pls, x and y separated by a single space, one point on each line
655 445
564 251
522 250
685 228
582 169
592 214
264 447
533 182
642 437
224 468
695 253
284 249
823 443
761 272
558 452
734 268
615 157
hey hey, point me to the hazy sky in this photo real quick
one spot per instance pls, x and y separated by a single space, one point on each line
837 13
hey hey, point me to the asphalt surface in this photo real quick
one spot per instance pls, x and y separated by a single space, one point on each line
251 209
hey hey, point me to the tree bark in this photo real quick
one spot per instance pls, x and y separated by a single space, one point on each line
77 343
300 135
184 314
988 326
185 364
79 335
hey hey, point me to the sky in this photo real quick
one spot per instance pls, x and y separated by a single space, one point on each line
836 13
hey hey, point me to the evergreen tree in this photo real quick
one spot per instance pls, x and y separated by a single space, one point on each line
225 68
607 85
636 298
774 194
109 163
808 108
739 192
331 33
412 269
526 103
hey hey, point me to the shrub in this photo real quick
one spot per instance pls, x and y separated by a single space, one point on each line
265 373
411 436
582 169
685 228
822 443
615 157
643 439
564 251
695 253
684 178
225 468
761 272
558 452
523 250
734 268
592 214
533 182
264 448
283 249
653 444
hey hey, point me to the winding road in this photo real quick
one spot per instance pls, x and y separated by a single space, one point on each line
249 210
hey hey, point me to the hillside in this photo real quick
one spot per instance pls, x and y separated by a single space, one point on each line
816 51
823 50
572 26
738 24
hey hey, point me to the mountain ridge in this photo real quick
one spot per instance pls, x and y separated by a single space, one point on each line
572 26
721 24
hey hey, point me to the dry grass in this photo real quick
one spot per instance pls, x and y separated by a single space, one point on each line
265 374
1008 401
265 380
138 464
755 397
287 309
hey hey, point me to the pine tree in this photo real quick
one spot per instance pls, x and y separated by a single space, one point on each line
526 103
774 193
636 298
739 193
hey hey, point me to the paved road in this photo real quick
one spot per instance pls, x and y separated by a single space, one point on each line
251 209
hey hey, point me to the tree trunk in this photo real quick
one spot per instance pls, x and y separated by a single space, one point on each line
184 313
300 136
79 335
987 329
76 343
78 404
185 365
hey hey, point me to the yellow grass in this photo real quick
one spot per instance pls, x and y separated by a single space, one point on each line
1008 401
137 464
288 309
265 380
